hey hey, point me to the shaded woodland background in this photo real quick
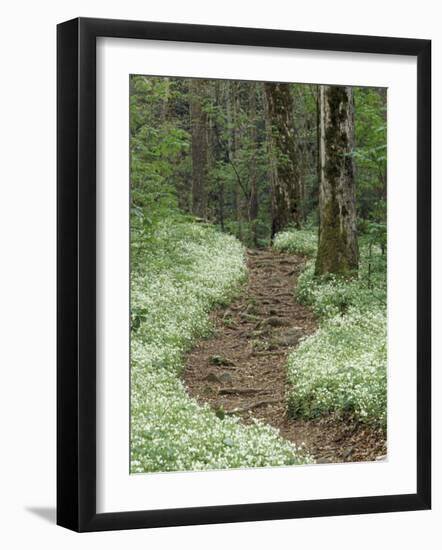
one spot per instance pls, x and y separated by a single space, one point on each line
245 156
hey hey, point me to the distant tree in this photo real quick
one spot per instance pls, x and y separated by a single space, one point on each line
286 180
338 245
235 90
253 176
199 147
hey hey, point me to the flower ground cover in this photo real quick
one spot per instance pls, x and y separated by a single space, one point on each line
182 273
342 368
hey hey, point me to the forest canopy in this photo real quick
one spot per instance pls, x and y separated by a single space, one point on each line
245 156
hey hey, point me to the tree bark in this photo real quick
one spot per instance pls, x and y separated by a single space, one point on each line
199 148
237 131
271 158
318 136
338 246
286 180
218 153
253 192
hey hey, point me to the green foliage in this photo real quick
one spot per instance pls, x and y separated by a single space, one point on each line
331 295
342 367
157 144
371 152
186 271
377 234
297 241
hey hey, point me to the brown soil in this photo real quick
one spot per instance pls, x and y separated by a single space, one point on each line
241 369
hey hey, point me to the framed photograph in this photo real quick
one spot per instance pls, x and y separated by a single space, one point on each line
243 274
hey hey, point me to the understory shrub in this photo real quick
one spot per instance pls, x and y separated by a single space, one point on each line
186 270
299 241
342 368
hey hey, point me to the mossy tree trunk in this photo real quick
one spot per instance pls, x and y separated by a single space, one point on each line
199 148
286 181
338 245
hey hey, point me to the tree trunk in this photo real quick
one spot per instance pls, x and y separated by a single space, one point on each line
233 195
383 176
166 98
253 192
286 181
338 246
271 159
218 153
318 137
237 131
199 148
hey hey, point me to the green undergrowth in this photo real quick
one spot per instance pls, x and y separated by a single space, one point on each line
342 368
181 272
299 241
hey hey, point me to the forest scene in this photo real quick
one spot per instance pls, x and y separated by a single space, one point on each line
258 243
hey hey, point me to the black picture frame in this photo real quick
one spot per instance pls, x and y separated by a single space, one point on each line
76 274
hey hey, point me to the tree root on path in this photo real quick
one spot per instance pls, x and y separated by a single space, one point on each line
224 391
253 406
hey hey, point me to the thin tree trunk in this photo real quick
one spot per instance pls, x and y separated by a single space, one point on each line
253 192
384 95
318 135
302 130
165 105
338 246
236 148
217 155
271 160
286 186
230 143
199 148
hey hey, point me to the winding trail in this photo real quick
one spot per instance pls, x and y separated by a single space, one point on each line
242 370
